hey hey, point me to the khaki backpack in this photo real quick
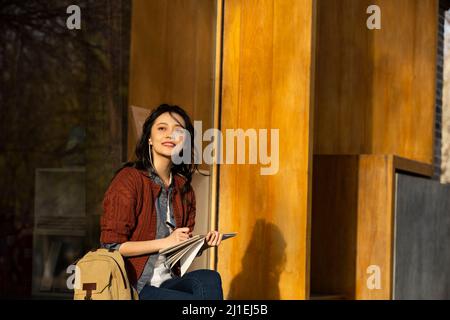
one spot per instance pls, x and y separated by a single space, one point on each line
101 275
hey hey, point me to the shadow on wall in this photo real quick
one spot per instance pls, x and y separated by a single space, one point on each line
262 265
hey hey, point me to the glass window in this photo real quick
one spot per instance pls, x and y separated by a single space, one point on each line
63 106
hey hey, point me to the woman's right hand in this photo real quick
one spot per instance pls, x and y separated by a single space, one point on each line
177 236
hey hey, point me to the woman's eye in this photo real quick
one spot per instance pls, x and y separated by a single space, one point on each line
161 128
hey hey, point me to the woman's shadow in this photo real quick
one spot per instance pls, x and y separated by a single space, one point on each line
263 262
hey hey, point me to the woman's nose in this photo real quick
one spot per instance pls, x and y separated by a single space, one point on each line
170 135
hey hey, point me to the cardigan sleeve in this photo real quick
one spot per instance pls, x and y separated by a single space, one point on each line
119 209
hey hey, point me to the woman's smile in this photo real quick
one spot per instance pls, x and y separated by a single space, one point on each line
169 144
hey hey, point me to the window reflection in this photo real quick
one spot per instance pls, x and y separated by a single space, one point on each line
63 98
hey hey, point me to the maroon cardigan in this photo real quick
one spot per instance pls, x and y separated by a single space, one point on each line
129 212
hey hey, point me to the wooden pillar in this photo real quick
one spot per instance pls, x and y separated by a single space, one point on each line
267 81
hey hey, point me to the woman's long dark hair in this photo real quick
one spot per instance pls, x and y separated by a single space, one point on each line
143 161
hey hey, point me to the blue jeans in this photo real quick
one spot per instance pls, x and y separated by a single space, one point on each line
196 285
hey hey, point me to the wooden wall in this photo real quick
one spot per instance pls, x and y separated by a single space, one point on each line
334 222
358 92
353 223
376 220
267 83
173 60
374 114
172 57
375 89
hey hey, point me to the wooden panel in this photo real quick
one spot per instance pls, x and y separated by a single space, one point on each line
352 222
375 90
334 218
202 185
172 57
173 60
404 79
375 225
344 78
376 207
267 83
216 124
411 166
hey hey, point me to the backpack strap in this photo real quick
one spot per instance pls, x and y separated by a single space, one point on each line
109 249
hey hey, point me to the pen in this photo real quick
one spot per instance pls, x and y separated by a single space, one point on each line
170 225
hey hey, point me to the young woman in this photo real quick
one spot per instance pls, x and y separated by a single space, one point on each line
150 205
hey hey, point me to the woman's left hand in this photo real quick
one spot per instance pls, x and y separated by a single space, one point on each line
213 238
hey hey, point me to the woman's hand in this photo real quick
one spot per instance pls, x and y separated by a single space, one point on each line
213 238
177 236
137 248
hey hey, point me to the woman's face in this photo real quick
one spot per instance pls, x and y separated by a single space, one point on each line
167 134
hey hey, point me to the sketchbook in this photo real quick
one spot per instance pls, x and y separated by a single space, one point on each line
186 251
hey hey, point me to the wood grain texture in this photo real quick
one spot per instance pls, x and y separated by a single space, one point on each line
343 78
375 89
334 219
375 227
407 165
173 60
267 82
353 222
216 124
172 57
375 96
